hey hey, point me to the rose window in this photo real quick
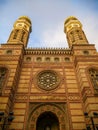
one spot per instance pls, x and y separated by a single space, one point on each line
48 80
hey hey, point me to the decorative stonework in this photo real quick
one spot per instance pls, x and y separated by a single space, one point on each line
30 87
58 109
48 97
48 80
74 98
49 51
21 97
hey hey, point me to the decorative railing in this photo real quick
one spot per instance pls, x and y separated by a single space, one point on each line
48 51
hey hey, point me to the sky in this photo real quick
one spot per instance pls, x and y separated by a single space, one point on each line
48 18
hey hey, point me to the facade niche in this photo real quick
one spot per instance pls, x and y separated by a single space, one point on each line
23 36
9 52
67 59
3 72
56 59
94 77
28 59
72 37
39 59
15 34
47 59
85 52
80 34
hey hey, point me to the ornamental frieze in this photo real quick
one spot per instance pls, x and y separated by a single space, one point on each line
50 97
21 97
47 51
74 98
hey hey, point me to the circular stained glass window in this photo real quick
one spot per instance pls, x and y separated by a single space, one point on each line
48 80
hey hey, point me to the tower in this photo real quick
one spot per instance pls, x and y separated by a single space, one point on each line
21 31
74 32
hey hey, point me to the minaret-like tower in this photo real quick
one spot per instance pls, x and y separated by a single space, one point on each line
74 32
21 31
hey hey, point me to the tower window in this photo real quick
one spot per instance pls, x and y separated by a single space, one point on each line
86 52
47 59
15 34
39 59
23 35
28 59
72 37
3 72
80 34
67 59
94 77
75 25
9 52
19 24
25 26
56 59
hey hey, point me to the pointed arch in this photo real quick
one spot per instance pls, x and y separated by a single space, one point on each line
93 73
3 76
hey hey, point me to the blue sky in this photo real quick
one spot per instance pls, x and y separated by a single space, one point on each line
48 18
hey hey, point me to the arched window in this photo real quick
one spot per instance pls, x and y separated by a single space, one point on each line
67 59
85 52
94 77
23 36
47 59
39 59
72 36
9 52
56 59
15 34
80 34
28 59
3 72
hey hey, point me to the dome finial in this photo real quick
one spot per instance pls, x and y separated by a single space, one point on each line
70 18
26 18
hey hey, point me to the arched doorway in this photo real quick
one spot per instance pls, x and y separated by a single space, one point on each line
47 121
56 113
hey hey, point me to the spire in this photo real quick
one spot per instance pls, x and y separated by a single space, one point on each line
74 32
21 31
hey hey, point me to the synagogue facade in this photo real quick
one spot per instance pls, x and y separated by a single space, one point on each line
48 88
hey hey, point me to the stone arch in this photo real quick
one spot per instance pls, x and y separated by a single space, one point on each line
93 74
92 79
38 110
3 77
47 121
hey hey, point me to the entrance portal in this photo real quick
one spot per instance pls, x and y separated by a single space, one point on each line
47 121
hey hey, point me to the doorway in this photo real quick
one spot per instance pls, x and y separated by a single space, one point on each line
47 121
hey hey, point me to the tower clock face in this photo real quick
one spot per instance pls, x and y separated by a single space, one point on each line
48 80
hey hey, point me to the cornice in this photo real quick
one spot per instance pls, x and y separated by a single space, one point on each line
48 51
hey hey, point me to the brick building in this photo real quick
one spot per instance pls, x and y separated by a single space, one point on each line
48 89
